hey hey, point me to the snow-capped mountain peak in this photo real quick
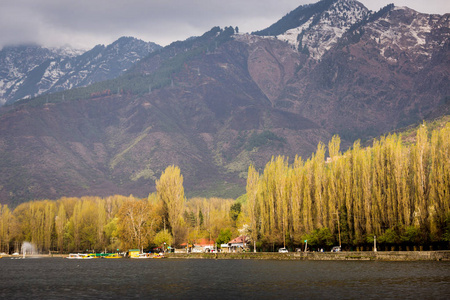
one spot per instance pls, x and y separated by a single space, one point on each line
29 71
323 28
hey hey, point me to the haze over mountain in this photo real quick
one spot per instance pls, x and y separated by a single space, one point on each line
215 104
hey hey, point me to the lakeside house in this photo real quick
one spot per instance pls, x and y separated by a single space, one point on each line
203 245
238 244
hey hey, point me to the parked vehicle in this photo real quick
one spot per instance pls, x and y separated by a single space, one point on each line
336 249
283 250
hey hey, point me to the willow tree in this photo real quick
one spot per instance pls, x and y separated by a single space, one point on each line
137 223
6 223
170 191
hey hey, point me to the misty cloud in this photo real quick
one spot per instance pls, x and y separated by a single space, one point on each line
85 23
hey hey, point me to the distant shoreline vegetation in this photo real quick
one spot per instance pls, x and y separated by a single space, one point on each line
396 192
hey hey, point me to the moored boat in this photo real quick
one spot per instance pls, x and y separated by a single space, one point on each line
113 255
142 255
79 256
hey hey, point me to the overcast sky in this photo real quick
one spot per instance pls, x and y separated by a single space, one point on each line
86 23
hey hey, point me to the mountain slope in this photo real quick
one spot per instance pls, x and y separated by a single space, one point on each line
217 103
388 70
212 121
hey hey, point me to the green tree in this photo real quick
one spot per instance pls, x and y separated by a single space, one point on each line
224 237
235 210
163 239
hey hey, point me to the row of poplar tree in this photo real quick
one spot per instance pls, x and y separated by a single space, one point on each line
398 192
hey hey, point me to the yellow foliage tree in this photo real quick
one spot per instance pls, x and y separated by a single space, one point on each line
170 191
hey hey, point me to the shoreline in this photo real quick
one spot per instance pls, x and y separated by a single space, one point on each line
443 255
324 256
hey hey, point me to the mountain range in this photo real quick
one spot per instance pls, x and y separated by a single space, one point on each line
30 71
216 103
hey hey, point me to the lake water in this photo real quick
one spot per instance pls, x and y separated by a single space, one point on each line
58 278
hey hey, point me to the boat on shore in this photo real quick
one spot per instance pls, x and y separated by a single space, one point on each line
80 256
113 255
148 255
142 256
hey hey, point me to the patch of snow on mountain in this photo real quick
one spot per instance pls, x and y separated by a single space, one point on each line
322 31
406 31
51 75
291 36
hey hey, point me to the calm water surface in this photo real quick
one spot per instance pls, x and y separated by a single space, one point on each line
58 278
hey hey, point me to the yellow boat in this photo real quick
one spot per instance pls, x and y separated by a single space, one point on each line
113 255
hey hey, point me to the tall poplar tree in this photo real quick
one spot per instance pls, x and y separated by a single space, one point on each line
170 191
252 204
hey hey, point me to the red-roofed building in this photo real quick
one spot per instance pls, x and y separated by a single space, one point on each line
203 245
236 245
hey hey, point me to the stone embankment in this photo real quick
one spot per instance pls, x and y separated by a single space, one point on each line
373 256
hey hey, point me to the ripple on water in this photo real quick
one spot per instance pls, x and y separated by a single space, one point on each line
56 278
